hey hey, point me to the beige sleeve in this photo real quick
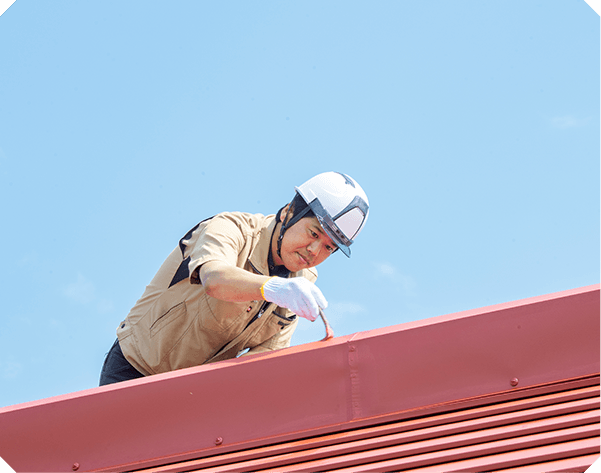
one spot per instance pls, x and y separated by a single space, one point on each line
219 238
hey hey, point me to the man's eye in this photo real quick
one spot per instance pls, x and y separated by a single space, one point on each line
313 234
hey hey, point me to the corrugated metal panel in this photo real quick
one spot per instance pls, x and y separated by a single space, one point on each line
545 428
448 389
557 466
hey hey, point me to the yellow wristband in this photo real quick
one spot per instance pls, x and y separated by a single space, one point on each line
263 285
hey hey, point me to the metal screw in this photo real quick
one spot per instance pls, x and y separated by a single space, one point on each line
75 466
352 348
218 441
514 381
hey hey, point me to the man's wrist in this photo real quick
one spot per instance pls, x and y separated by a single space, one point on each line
263 287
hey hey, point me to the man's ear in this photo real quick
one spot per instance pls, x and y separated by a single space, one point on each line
284 213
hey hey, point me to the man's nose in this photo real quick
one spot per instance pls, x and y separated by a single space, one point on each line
314 247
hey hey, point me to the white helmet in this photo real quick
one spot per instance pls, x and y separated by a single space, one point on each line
340 205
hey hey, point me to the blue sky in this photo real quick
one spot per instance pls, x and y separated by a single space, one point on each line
473 126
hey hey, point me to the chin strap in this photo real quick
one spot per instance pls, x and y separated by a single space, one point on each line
287 224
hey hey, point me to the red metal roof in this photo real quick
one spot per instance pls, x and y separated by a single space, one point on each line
511 387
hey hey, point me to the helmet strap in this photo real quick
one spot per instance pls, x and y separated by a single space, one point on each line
289 223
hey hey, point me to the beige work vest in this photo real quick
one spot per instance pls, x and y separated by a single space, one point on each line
175 324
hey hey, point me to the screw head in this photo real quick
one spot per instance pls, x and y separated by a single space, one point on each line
218 441
514 381
75 466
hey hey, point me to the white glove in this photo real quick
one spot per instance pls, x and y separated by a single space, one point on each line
299 295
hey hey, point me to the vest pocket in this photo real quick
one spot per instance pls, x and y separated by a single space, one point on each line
226 318
172 315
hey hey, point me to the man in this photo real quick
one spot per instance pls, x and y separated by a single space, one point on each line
237 281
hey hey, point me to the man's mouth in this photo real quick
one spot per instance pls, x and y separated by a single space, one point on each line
304 260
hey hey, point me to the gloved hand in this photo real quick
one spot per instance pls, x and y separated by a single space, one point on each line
299 295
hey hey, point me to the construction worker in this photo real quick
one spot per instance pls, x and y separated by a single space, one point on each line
238 281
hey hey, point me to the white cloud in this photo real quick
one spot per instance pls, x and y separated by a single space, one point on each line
81 291
339 310
30 260
385 269
104 306
568 121
388 272
346 307
10 369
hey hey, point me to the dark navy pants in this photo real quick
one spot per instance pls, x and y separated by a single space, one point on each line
116 368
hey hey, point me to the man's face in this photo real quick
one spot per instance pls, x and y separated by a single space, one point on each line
304 245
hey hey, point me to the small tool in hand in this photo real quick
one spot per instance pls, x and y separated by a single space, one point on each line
329 331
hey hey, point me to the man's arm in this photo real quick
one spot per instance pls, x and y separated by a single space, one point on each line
230 283
233 284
